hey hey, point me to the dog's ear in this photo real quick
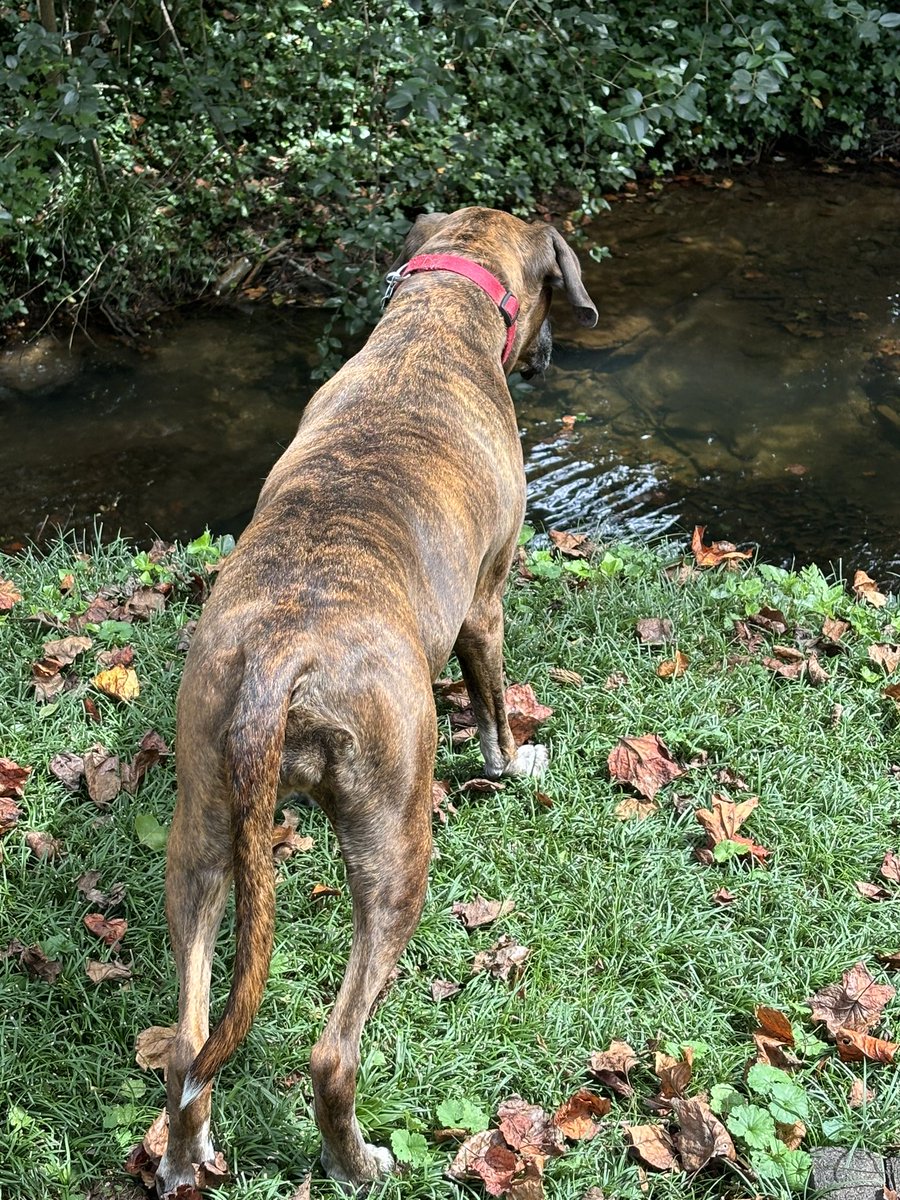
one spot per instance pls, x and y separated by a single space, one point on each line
566 274
424 227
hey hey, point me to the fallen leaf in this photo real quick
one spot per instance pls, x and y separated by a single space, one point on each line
504 960
865 589
772 620
749 637
872 891
577 1116
860 1094
87 885
572 545
635 809
151 750
673 668
101 773
443 989
890 868
440 800
91 709
674 1074
12 778
144 1159
529 1129
9 814
854 1046
643 762
854 1004
145 603
524 711
302 1191
892 959
725 818
717 553
611 1067
482 785
9 595
153 1046
481 912
530 1184
564 676
319 891
654 631
68 768
615 681
210 1174
594 1193
102 972
64 651
486 1156
110 930
653 1146
790 1135
722 896
119 682
833 629
42 845
285 839
731 779
453 691
885 655
33 961
701 1136
774 1039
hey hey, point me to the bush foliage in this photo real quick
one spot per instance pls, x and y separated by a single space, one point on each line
144 145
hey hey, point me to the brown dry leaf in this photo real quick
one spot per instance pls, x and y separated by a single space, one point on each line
145 603
566 677
674 1074
885 655
774 1039
654 631
320 891
701 1136
119 656
892 692
673 668
524 711
9 595
872 891
610 1067
151 749
440 800
577 1116
12 778
653 1146
529 1129
860 1094
443 989
772 620
615 681
486 1156
102 972
634 809
833 629
504 960
530 1184
64 651
643 762
890 868
865 589
302 1191
42 845
33 961
87 885
891 959
481 911
68 768
723 821
110 930
593 1193
211 1173
144 1158
790 1135
856 1003
91 709
453 691
749 637
285 839
716 554
101 773
119 682
854 1046
572 545
153 1046
9 814
722 896
731 779
482 785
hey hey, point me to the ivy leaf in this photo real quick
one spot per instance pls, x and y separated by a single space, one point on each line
753 1125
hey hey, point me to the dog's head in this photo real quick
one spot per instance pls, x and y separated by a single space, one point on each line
530 260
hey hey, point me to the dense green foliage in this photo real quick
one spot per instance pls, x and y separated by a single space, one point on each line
143 147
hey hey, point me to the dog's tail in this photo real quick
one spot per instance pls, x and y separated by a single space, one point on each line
253 752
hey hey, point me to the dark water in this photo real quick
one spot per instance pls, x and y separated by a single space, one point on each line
745 375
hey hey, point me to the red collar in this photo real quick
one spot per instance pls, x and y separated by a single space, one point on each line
506 302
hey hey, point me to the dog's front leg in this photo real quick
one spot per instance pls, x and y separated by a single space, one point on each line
479 649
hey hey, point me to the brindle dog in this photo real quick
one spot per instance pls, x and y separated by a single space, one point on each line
380 544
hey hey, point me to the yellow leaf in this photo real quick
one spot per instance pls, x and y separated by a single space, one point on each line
119 682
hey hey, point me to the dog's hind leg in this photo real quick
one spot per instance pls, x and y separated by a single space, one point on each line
198 878
479 649
385 836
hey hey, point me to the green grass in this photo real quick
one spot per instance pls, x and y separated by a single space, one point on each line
589 889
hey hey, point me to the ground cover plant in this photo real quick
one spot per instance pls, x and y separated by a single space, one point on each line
706 879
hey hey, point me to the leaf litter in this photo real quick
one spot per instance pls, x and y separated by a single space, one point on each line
644 763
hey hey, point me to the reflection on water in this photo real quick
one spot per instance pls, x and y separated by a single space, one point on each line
745 374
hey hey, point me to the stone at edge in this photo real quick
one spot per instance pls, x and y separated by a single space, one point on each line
849 1174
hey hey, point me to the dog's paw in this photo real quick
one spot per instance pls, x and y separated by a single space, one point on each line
376 1164
529 760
